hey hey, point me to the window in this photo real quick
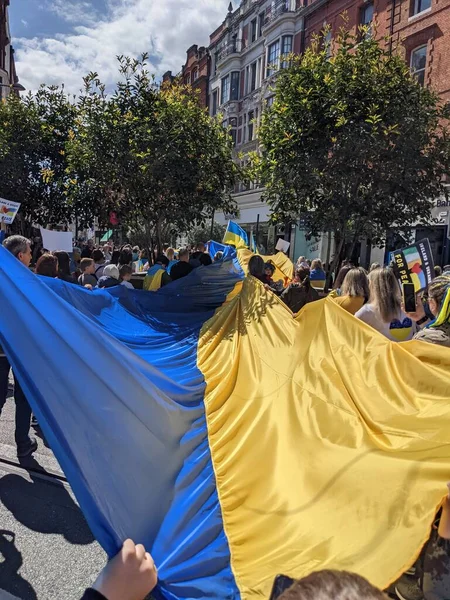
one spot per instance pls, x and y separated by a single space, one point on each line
195 75
286 49
261 19
251 116
253 77
366 19
253 30
187 79
419 6
235 77
419 64
225 92
273 58
270 100
216 58
214 102
233 129
327 42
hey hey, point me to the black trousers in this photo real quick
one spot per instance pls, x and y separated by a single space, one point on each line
23 410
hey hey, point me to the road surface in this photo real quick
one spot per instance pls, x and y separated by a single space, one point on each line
47 551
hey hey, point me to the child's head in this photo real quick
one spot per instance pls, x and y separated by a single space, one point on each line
332 585
125 272
87 266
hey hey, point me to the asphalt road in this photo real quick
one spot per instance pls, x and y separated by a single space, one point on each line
47 551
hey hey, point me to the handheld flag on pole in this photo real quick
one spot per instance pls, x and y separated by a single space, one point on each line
253 246
235 235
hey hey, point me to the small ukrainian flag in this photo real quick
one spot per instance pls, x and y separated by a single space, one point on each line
235 235
253 246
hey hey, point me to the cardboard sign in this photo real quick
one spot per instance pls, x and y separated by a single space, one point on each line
415 264
282 245
57 240
8 211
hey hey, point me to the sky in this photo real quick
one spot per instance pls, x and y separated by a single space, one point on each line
60 41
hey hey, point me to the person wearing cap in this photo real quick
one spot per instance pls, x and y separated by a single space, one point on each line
110 277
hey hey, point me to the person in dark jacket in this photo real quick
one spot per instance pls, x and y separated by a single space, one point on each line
19 247
300 292
110 277
183 266
64 267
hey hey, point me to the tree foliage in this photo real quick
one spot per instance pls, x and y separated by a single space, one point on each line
352 143
33 135
202 233
150 153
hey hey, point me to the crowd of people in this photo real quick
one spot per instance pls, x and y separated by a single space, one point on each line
374 297
106 266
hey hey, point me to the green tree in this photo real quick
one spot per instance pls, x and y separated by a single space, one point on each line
150 153
202 233
33 134
352 144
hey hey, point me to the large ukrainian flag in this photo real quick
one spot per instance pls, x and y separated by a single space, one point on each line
235 442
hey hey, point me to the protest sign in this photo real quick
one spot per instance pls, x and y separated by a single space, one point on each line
8 211
282 245
415 264
57 240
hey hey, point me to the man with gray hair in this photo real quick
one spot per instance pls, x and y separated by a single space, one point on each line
20 247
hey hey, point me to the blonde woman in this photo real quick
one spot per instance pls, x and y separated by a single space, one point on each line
354 291
384 312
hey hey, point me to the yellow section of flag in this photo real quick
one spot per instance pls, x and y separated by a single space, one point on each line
329 443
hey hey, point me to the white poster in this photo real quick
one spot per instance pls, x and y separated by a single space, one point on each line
282 245
57 240
8 211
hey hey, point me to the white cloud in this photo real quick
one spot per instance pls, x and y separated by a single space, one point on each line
163 28
76 12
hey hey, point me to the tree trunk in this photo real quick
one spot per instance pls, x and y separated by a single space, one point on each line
327 263
158 236
337 255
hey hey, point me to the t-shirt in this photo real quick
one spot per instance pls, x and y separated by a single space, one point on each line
87 278
399 330
127 284
350 303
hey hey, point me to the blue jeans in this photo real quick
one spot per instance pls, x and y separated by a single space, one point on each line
23 410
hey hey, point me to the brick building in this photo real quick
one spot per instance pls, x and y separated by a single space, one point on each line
246 51
195 72
8 75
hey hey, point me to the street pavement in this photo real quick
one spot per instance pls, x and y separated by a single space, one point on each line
47 551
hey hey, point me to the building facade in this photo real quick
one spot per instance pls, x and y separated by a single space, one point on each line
8 75
195 72
248 49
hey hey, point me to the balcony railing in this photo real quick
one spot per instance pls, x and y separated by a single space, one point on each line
234 47
279 7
